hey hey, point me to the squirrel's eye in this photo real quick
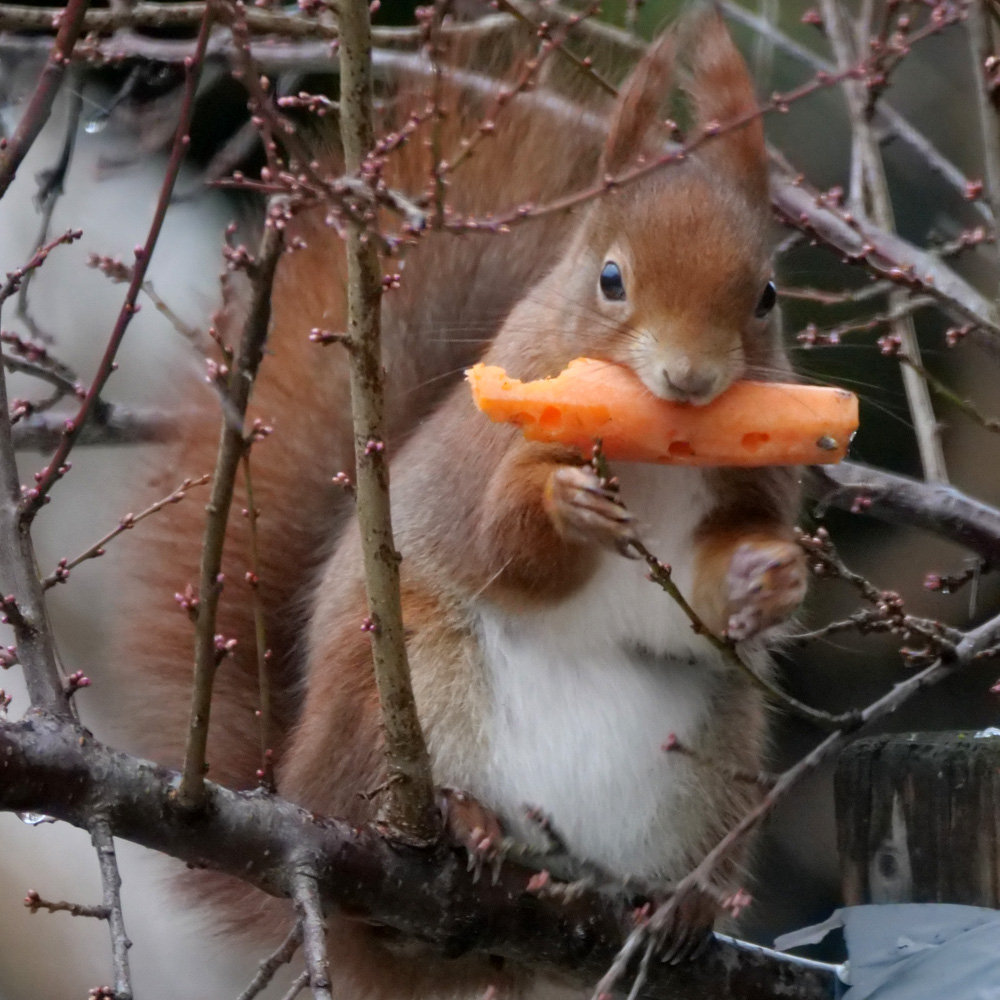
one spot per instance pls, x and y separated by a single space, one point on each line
767 301
612 286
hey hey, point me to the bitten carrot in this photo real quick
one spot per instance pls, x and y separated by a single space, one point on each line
751 423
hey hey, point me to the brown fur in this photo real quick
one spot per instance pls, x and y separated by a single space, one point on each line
468 496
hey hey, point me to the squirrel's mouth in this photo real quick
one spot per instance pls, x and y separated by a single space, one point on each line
692 387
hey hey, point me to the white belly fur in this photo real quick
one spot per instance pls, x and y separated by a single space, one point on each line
584 693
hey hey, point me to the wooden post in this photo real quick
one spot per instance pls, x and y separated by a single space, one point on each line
918 818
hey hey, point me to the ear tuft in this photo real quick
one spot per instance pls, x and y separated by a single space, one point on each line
637 110
721 91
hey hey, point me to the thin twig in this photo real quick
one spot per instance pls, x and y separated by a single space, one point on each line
527 78
676 153
23 603
583 65
44 373
232 444
811 336
15 278
310 909
190 333
870 192
62 571
265 772
111 880
974 642
70 20
263 115
227 158
661 574
860 622
302 175
52 473
827 297
409 803
885 254
643 972
433 17
118 272
299 983
50 188
887 605
892 120
34 903
981 49
267 968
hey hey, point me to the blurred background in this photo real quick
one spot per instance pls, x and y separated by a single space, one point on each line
122 131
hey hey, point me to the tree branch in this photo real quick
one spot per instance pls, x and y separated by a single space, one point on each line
305 891
281 956
59 768
941 510
409 802
15 17
232 444
111 880
886 254
118 426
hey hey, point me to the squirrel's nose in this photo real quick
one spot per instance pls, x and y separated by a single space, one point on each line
689 383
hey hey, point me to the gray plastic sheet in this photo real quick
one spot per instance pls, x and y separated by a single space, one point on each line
915 951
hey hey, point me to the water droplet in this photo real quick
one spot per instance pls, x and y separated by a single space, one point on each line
96 124
35 819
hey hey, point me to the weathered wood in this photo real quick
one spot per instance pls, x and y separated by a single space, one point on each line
918 816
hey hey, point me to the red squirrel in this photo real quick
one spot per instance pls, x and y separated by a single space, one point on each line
548 671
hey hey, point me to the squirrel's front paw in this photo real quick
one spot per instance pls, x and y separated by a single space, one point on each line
585 511
767 582
473 827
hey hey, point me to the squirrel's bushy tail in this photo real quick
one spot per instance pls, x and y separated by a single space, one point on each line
454 293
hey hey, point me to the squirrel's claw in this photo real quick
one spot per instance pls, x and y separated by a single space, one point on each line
767 582
690 929
473 828
584 511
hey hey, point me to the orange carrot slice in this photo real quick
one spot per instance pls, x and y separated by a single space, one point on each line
751 423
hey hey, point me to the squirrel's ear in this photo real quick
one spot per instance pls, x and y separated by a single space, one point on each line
721 91
637 109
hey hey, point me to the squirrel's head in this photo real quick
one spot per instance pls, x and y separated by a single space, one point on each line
677 264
